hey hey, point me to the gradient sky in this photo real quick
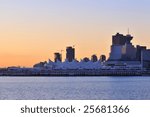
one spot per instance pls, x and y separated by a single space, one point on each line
32 30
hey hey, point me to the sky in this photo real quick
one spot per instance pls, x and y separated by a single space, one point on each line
32 30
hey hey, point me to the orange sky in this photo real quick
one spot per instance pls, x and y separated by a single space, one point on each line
31 31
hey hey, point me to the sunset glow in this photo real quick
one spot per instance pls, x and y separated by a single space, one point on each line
32 30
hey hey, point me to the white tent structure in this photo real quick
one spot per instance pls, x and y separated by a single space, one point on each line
74 65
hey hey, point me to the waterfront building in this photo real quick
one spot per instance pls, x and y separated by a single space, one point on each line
70 53
138 52
102 58
57 57
86 59
123 56
124 64
122 48
146 58
94 58
50 64
128 52
119 39
116 53
40 64
123 53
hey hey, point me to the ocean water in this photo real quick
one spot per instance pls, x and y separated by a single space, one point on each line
71 88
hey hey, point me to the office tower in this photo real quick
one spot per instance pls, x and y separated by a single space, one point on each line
145 58
94 58
128 52
70 53
120 39
57 57
138 52
122 48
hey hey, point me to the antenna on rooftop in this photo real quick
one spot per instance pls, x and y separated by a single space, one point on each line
128 31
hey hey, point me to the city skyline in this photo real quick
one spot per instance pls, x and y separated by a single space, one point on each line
32 30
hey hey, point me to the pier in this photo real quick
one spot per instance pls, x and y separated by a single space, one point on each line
73 72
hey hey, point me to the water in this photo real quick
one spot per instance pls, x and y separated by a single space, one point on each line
101 88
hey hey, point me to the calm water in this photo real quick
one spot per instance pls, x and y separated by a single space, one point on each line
75 88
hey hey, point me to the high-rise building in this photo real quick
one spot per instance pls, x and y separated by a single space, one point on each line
122 48
145 58
115 52
94 58
138 52
120 39
57 57
128 52
70 53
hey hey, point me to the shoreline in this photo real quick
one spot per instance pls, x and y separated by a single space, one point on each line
85 72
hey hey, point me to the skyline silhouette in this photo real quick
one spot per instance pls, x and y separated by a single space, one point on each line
32 30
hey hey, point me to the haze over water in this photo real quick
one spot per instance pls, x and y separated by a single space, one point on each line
100 88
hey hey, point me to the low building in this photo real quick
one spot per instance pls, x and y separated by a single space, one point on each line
94 58
102 58
124 64
86 59
40 65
